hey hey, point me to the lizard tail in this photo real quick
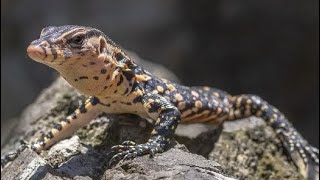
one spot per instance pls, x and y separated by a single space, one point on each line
305 156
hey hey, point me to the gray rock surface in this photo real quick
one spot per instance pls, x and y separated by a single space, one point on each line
244 149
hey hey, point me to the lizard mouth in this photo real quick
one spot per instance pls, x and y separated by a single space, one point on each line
36 53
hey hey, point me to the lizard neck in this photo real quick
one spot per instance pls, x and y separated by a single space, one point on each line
99 77
104 77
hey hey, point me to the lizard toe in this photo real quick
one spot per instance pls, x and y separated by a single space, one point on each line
125 152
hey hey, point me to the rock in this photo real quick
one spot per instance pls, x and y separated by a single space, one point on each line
249 149
244 149
28 165
175 163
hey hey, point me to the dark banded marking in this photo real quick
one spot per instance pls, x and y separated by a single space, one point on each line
49 135
120 80
104 103
44 52
82 109
103 71
154 107
108 77
54 54
58 127
108 105
92 63
127 103
137 99
73 116
66 120
128 75
94 101
83 77
95 77
126 91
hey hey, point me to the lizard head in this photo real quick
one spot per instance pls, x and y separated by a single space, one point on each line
60 45
84 56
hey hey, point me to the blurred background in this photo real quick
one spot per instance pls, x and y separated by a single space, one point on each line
269 48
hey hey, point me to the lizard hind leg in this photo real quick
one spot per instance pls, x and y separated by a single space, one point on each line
304 155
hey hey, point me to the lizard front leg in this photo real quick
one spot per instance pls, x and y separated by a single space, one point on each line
81 116
167 119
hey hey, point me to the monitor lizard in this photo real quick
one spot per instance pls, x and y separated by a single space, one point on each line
93 64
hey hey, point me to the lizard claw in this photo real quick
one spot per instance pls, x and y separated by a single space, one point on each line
121 148
130 156
128 143
119 156
130 150
125 145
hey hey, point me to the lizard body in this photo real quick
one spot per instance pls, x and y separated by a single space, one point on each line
98 68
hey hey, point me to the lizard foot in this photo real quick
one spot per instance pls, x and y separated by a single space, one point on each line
129 150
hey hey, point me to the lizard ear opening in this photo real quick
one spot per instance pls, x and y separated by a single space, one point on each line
103 44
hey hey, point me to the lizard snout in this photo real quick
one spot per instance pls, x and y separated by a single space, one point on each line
36 52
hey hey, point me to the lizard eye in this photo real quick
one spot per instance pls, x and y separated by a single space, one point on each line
77 41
